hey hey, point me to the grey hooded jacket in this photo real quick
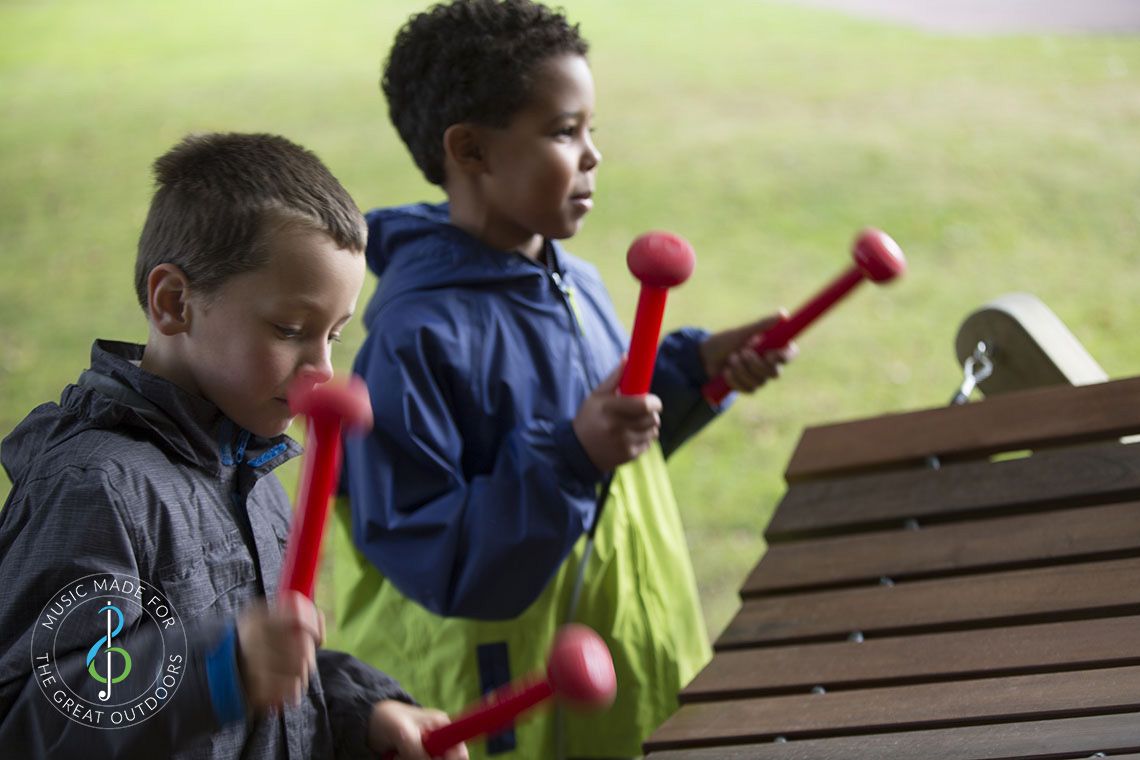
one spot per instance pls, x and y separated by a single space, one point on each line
130 477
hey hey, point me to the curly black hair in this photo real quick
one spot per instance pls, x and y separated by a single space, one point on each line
468 61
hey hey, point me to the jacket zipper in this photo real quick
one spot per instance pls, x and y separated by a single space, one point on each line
571 305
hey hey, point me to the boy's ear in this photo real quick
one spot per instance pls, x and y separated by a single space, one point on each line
168 299
462 145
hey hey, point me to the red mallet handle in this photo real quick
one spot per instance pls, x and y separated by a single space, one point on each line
495 713
877 258
328 407
660 260
580 671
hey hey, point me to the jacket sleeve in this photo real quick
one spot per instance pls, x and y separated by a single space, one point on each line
677 379
480 547
351 689
53 533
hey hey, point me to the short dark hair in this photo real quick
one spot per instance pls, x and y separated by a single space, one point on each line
468 61
219 196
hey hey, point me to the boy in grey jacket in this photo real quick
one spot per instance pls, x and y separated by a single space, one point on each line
141 545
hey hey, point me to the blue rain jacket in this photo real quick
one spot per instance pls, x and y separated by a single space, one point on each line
477 361
455 556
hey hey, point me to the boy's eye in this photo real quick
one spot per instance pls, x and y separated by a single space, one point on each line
334 338
287 332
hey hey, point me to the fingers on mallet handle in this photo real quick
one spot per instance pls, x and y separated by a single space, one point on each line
876 257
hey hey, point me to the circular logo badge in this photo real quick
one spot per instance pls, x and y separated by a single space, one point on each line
108 650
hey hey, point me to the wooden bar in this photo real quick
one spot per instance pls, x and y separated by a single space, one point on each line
1048 647
1023 420
1054 479
1086 590
924 706
942 550
985 610
1061 739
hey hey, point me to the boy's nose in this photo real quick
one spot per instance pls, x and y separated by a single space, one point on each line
591 157
318 364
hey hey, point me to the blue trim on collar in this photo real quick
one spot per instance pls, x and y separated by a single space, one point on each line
224 450
268 455
243 441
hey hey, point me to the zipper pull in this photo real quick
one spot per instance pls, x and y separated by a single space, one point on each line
557 279
568 294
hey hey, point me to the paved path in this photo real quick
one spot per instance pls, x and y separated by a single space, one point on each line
1000 16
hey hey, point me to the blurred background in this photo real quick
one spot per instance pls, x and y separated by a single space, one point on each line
767 133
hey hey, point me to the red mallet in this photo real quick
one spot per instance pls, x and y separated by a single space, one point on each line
877 258
660 260
328 407
580 672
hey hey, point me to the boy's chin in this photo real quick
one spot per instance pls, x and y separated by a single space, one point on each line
277 428
274 431
265 427
568 231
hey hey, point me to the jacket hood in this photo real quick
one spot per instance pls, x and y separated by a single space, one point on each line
415 247
25 443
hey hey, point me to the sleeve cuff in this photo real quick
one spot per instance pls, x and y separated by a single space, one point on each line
575 456
682 348
223 680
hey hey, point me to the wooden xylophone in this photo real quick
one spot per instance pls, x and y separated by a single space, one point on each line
989 608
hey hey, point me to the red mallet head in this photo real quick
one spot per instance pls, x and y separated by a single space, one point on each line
878 257
660 260
581 668
348 403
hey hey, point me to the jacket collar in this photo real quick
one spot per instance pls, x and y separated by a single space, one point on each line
188 426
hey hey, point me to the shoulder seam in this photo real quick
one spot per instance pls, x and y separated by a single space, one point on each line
108 482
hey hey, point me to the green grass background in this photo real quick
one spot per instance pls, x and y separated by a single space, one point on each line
767 134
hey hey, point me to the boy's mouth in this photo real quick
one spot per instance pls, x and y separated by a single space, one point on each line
583 201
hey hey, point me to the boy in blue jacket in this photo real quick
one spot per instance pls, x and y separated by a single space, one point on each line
493 356
141 545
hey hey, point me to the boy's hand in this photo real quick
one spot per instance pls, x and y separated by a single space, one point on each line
615 429
395 726
277 650
744 370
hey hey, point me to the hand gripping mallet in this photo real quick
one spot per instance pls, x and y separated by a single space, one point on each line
580 672
328 407
659 260
877 258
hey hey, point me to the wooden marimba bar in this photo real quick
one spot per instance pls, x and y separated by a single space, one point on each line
986 609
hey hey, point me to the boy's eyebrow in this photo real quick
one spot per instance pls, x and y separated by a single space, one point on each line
311 304
583 114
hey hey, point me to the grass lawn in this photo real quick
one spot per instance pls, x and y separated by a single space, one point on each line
766 134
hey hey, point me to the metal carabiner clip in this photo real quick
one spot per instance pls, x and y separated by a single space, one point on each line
977 367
